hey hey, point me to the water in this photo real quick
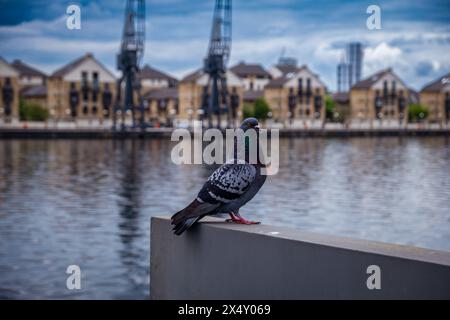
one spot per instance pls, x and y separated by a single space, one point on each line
89 203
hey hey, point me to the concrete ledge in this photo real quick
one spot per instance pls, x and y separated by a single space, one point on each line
217 260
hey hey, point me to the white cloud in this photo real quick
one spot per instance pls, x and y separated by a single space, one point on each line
381 56
178 41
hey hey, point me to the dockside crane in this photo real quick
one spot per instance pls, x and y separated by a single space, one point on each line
215 64
128 61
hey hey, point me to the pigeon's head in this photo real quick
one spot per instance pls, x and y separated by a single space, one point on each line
250 123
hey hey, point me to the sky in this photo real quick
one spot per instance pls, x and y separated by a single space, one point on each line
414 38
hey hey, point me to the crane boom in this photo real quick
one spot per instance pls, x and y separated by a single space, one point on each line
220 42
134 28
128 60
216 61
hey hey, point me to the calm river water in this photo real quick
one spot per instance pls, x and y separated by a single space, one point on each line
89 203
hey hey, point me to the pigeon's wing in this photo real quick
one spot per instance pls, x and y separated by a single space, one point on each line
227 183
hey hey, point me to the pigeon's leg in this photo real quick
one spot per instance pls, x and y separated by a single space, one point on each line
236 218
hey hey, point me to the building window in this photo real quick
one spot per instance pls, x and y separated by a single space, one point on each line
308 90
300 89
95 86
7 96
84 79
74 99
393 91
307 112
447 106
317 103
107 100
378 104
95 81
385 91
84 86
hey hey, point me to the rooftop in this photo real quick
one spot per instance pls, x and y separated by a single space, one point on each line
341 97
438 84
61 72
26 70
370 81
34 91
251 95
148 72
193 76
244 70
288 68
278 82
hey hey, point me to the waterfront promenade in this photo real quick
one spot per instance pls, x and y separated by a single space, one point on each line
66 130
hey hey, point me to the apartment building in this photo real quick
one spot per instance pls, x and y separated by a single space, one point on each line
193 95
9 92
33 83
382 96
295 93
436 96
82 89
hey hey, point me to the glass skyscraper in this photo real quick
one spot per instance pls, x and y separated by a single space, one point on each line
349 70
354 54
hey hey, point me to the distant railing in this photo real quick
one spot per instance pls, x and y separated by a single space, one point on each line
218 260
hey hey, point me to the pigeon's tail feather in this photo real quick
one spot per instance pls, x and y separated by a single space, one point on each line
194 209
184 225
184 219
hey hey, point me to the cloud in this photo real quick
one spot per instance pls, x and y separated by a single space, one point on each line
381 56
414 36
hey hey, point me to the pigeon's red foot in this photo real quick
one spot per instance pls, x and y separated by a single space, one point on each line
240 220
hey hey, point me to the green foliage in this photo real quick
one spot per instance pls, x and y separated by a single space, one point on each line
247 111
261 109
31 111
329 107
417 112
22 115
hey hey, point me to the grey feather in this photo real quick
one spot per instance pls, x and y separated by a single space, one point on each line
228 188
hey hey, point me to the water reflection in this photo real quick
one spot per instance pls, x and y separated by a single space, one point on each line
90 202
129 205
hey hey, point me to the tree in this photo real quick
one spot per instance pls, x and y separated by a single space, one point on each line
261 109
247 111
32 111
329 107
417 112
22 115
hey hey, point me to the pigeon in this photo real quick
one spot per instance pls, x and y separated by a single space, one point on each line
228 188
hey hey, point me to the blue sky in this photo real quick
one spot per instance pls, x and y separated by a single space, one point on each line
414 39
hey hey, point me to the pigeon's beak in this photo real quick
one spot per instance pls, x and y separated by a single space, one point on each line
256 128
